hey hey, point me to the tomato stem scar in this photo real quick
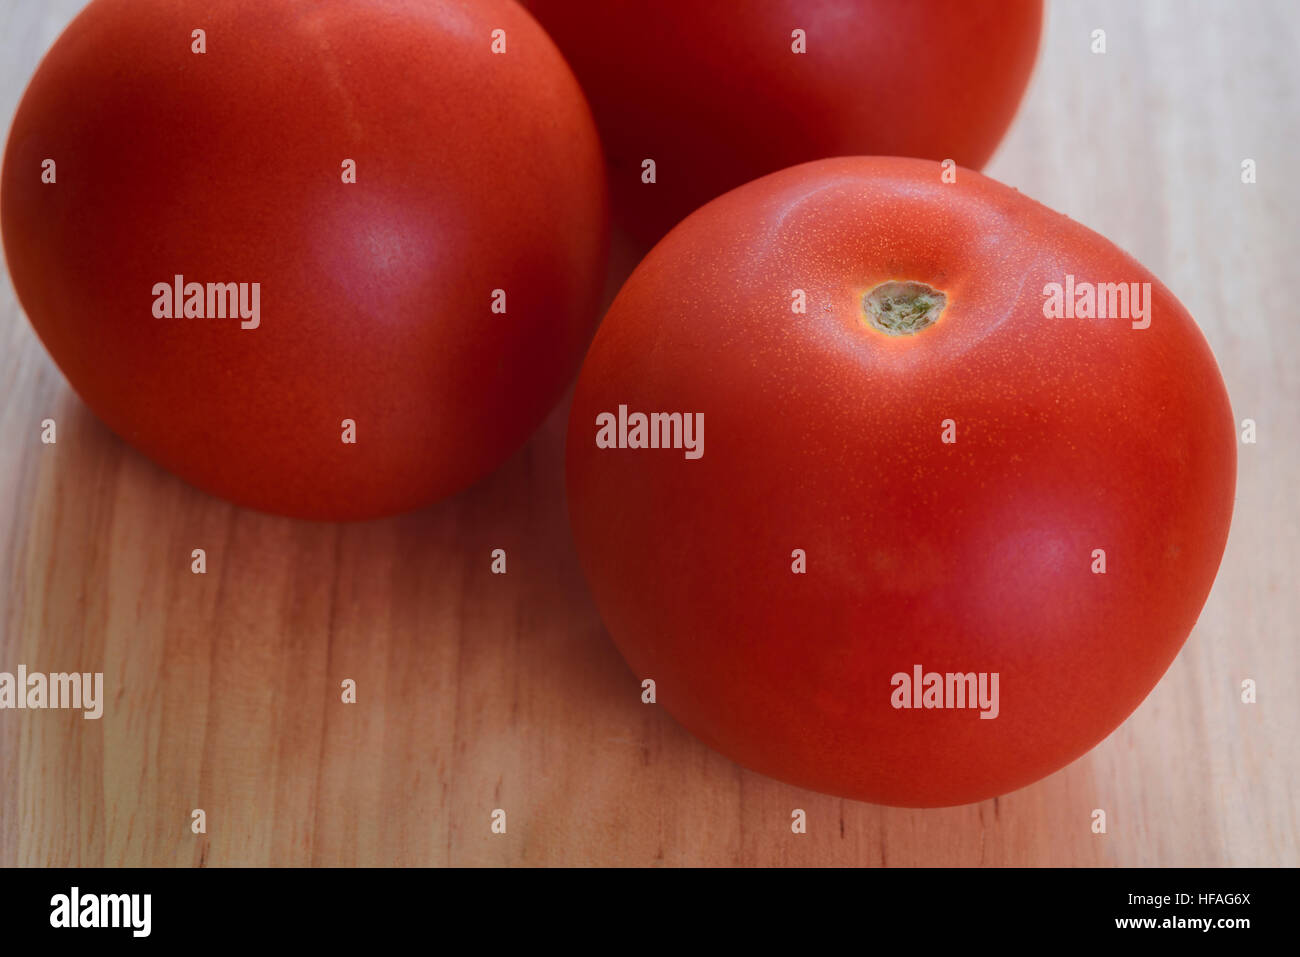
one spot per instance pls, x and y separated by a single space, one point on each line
903 308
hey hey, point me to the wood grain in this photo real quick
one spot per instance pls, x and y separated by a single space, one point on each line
480 691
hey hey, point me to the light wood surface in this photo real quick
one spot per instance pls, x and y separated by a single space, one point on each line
479 691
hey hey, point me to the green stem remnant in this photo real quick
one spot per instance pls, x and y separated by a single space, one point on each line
903 308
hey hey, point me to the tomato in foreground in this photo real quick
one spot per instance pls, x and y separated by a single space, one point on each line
389 239
904 521
715 92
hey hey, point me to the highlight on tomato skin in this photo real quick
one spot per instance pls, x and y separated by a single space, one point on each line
897 484
329 260
696 97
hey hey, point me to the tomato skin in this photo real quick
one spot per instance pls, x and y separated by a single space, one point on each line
711 90
824 434
475 172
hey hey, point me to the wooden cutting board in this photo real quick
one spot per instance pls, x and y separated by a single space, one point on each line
478 691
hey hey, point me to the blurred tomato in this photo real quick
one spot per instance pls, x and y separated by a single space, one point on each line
897 461
714 92
440 303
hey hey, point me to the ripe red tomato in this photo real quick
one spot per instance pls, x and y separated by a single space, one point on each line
475 171
970 486
714 93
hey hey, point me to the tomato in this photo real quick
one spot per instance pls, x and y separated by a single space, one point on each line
714 92
919 470
479 187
